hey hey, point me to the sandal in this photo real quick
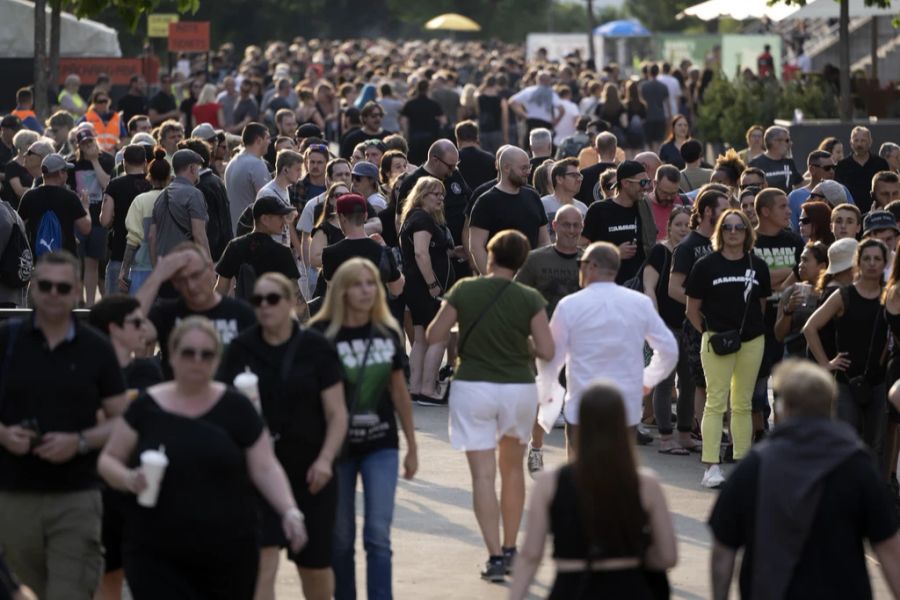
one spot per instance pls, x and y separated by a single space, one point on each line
675 450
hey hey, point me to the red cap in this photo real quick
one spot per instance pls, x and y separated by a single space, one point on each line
348 204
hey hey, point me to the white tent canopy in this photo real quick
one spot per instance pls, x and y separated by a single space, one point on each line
830 9
77 37
740 10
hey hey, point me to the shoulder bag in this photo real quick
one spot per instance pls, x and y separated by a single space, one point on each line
465 337
186 233
729 342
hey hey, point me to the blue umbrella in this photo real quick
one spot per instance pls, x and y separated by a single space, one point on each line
622 28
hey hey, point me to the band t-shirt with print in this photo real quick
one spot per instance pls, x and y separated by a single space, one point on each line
725 287
609 221
779 251
373 425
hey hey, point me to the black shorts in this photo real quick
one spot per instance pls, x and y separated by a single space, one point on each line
654 130
94 244
422 307
319 512
692 339
112 528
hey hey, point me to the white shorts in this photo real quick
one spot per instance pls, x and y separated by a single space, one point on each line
482 412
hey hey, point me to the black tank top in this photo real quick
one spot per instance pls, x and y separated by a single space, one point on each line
569 540
854 335
490 115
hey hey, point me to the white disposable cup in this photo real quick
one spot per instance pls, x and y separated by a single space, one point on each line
153 466
247 383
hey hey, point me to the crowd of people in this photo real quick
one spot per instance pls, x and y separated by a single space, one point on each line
360 227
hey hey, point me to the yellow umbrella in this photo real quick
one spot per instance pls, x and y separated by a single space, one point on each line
453 22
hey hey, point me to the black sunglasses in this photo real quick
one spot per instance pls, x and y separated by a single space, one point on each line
62 288
195 353
734 227
270 299
817 195
804 220
826 167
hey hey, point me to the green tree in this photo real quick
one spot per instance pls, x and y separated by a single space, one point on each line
659 15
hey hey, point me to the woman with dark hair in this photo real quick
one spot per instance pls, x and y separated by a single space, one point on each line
754 139
833 146
860 340
636 111
726 296
679 133
747 203
426 244
815 222
393 165
728 170
800 300
301 395
493 399
327 231
612 531
493 115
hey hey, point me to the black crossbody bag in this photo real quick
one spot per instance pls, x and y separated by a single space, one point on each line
860 387
729 342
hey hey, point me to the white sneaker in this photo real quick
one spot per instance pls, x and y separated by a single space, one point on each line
535 460
713 477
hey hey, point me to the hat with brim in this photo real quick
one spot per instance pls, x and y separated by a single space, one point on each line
53 163
628 169
841 255
879 220
204 131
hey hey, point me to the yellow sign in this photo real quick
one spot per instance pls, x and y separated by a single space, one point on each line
158 24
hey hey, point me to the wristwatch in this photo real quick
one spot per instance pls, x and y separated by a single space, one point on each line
434 284
83 447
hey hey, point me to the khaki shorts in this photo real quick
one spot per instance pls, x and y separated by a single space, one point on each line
51 541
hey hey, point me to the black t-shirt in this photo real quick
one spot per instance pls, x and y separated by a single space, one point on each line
456 198
419 220
83 177
62 201
781 174
187 109
141 373
291 398
206 497
496 210
479 192
162 102
6 153
691 249
131 105
230 316
123 190
722 285
591 177
778 251
373 425
259 251
356 136
853 506
14 170
672 312
609 221
476 165
423 113
337 254
858 178
60 390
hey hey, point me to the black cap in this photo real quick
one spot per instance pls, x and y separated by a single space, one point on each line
878 220
309 130
628 169
270 205
11 122
183 158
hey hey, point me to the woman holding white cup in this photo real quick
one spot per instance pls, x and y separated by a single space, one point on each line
200 537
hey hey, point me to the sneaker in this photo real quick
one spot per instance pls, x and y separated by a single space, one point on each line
560 422
535 460
446 372
509 556
712 477
642 438
423 400
494 570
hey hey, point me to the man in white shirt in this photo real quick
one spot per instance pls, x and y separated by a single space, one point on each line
288 169
539 105
673 85
599 333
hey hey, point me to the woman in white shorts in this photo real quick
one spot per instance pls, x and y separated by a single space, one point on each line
493 399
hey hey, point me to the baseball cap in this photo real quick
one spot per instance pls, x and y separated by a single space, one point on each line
11 122
349 204
143 138
270 205
84 134
308 130
183 158
204 131
365 169
841 255
54 163
877 220
41 149
627 169
832 190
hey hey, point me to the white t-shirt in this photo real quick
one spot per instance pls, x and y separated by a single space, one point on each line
674 91
566 125
377 201
536 111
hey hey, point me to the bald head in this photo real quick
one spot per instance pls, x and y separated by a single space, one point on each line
441 149
512 155
650 162
442 158
604 255
568 212
514 169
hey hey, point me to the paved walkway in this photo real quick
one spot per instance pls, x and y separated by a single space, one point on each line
438 549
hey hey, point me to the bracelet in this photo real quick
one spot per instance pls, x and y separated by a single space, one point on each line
434 284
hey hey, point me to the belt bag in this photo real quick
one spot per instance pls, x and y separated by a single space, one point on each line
725 343
860 390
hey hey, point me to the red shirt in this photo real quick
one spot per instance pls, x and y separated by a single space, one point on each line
207 113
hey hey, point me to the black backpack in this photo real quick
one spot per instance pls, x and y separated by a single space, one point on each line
16 261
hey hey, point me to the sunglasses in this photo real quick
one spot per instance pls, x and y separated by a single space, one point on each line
272 299
641 182
734 227
804 220
101 100
194 353
825 167
63 288
817 195
317 148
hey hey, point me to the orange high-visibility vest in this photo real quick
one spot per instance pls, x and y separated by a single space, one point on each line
107 133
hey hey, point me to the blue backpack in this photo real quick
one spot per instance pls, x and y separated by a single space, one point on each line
49 234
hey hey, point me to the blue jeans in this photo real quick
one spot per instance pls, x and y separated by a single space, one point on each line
137 280
379 477
112 276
